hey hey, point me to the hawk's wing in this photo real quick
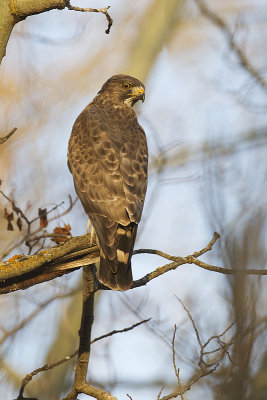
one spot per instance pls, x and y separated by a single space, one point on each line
108 160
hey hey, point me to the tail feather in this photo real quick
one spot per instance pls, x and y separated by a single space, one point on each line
105 274
117 273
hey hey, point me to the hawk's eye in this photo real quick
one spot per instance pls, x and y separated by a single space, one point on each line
126 85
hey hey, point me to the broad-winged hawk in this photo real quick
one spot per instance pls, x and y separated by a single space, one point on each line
107 156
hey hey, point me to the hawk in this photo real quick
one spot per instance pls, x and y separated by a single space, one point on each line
107 156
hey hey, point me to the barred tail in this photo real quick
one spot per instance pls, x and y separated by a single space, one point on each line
117 273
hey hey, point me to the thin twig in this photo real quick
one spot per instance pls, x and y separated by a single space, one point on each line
32 315
96 10
47 367
190 259
203 370
121 330
220 335
15 207
29 234
229 35
173 352
176 370
160 392
192 321
196 254
5 138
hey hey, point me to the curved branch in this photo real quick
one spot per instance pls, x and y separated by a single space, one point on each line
27 379
13 11
96 10
190 259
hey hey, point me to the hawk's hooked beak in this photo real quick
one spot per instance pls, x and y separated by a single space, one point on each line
139 93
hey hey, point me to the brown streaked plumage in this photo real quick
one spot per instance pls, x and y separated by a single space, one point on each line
107 156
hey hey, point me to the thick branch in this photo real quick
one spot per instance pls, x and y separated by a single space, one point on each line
80 383
86 325
13 11
21 272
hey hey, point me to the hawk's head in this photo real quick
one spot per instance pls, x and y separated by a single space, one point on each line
123 88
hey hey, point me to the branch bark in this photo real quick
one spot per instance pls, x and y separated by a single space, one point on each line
80 383
47 367
21 272
14 11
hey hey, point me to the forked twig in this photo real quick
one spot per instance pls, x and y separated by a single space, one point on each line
47 367
96 10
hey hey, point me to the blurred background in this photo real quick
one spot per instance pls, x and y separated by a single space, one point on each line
206 124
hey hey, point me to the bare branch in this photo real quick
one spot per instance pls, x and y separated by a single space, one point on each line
204 368
47 367
242 58
5 138
191 259
30 238
21 272
121 330
161 390
96 10
15 207
173 352
32 315
192 321
176 370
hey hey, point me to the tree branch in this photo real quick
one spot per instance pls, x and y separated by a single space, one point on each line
176 370
29 237
33 314
205 367
5 138
21 272
13 11
96 10
80 383
190 259
242 58
84 333
47 367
